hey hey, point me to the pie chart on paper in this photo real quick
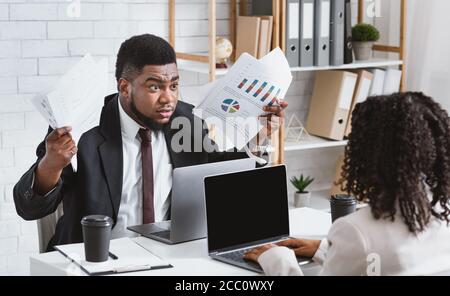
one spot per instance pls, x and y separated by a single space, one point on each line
230 106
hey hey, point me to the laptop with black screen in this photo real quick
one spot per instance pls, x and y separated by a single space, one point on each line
245 210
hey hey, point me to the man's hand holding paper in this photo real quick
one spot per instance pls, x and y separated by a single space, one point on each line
60 149
273 120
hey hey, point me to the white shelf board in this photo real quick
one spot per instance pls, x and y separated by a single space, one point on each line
373 63
198 67
311 143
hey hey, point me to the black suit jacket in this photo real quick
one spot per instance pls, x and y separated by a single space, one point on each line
96 187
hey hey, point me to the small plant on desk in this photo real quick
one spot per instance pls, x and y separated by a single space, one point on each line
302 198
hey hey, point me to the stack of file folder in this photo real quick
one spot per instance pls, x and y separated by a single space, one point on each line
336 94
318 32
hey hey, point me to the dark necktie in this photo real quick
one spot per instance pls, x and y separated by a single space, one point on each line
147 176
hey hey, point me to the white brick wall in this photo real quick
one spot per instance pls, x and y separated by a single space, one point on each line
143 12
12 121
18 67
89 11
24 157
39 42
116 12
4 12
8 246
10 49
15 103
56 66
3 265
35 84
6 160
94 46
44 48
69 30
23 30
23 138
9 229
8 193
8 85
33 12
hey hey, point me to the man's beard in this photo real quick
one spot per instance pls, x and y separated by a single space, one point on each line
145 120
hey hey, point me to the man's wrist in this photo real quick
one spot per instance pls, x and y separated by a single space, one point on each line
45 166
45 178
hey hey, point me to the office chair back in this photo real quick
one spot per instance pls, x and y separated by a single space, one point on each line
46 228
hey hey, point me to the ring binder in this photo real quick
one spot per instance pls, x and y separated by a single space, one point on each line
293 32
337 37
307 33
322 33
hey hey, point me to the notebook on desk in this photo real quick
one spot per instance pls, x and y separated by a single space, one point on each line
131 257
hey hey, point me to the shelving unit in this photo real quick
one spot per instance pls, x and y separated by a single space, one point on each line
206 64
210 60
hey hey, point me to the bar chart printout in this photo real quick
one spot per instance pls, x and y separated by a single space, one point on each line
242 93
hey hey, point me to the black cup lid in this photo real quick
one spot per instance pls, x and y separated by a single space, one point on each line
343 199
96 221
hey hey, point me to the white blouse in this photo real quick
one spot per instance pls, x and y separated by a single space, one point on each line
360 245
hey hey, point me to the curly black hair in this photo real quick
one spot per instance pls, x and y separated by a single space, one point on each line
142 50
398 158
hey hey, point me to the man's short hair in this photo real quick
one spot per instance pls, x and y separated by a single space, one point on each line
141 50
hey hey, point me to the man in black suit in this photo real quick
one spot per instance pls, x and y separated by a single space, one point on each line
125 163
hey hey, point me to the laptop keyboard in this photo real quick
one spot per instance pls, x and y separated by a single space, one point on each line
163 234
238 256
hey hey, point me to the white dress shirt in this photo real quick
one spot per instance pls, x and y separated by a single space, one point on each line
360 245
130 210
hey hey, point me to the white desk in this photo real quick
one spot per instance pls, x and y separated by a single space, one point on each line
192 258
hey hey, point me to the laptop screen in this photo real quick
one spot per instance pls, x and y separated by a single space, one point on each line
245 207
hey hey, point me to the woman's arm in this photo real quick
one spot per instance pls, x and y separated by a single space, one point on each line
347 250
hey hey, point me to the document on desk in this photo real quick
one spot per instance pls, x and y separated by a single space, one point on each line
234 103
77 99
309 223
131 257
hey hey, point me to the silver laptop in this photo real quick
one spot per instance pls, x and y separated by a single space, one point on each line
245 210
187 209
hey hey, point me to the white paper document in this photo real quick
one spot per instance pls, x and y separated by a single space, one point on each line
77 98
130 257
234 103
306 223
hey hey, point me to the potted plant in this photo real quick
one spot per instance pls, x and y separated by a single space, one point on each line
364 36
302 198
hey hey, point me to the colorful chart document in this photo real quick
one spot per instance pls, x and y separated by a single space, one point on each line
234 103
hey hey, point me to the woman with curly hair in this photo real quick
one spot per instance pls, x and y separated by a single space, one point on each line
398 162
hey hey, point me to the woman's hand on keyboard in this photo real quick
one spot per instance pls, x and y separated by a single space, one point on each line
254 254
301 247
